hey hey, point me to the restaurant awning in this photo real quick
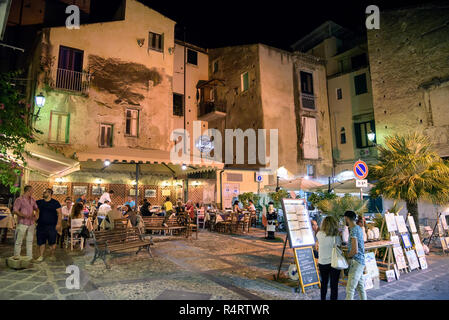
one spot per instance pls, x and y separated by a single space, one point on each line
141 155
48 162
295 184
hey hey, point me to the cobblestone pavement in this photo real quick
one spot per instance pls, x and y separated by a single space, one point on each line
216 266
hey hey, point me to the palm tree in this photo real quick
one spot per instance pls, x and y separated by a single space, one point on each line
409 169
336 207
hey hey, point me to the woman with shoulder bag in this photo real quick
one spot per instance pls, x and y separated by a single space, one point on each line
327 238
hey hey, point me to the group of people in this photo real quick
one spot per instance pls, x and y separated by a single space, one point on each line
47 213
327 237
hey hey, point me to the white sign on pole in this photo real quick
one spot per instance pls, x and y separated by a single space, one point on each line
363 183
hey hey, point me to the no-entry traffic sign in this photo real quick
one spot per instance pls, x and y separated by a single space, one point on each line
360 169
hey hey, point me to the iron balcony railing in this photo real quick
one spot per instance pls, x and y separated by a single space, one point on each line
72 80
210 106
308 101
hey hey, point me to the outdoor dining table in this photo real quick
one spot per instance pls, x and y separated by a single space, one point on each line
6 219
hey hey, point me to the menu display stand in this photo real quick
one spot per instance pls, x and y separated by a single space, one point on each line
301 239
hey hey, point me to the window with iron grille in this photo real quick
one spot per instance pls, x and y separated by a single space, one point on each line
105 135
339 94
155 41
178 104
59 127
132 122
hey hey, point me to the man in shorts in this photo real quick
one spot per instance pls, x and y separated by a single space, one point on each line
49 224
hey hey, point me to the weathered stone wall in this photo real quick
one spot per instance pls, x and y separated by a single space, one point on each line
409 60
124 75
243 109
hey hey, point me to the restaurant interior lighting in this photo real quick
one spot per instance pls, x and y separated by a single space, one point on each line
59 180
98 181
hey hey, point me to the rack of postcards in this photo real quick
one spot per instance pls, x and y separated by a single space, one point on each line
408 257
417 245
443 231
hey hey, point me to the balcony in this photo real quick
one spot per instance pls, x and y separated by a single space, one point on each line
72 81
308 101
210 111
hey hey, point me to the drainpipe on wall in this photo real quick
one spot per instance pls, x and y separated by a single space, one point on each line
221 189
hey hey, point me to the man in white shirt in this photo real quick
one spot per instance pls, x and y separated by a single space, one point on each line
103 211
105 196
67 209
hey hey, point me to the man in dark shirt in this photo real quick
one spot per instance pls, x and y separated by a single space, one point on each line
49 224
145 209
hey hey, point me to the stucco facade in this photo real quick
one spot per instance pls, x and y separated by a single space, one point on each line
122 74
272 100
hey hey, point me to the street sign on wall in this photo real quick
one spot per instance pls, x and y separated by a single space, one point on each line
362 183
360 170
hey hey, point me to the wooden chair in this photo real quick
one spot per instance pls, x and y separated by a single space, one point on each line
75 227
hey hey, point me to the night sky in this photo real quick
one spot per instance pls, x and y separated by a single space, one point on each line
278 23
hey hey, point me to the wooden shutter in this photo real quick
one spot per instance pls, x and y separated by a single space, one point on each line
310 140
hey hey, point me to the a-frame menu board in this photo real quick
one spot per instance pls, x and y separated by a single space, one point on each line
301 239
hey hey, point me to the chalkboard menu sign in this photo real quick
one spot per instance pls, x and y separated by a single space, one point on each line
307 270
296 216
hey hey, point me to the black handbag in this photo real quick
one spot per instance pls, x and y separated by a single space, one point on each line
84 232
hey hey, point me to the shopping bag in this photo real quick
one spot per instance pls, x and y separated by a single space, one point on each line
338 260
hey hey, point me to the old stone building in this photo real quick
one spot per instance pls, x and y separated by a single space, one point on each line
349 93
409 62
267 88
110 110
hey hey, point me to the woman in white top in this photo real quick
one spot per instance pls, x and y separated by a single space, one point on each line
327 237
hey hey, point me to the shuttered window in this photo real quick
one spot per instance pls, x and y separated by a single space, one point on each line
59 127
105 135
245 81
155 41
132 122
310 139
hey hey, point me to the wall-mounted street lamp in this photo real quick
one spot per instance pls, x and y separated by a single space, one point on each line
107 163
40 102
371 136
184 167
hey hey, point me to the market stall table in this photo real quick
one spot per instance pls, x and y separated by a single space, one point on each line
374 246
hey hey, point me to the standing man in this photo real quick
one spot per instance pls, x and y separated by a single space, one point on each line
26 209
105 196
49 224
356 251
271 221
